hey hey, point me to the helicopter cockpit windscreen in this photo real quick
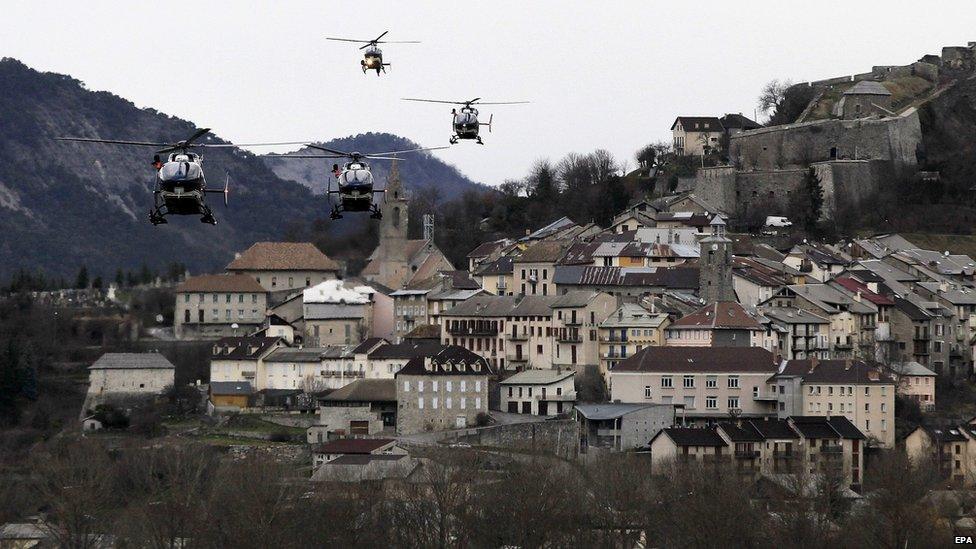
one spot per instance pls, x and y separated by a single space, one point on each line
180 171
465 118
356 177
373 51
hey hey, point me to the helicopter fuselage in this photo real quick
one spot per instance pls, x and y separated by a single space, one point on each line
356 187
373 60
466 124
181 186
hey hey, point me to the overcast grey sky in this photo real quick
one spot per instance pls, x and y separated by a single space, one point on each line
607 75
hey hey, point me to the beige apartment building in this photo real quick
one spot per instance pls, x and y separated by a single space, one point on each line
283 266
575 326
539 392
952 449
915 382
696 135
242 359
719 324
849 388
534 269
626 331
213 306
709 383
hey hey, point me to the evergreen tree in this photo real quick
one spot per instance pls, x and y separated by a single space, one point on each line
119 278
97 283
81 281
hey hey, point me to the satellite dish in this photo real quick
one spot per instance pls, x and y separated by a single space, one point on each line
234 326
159 318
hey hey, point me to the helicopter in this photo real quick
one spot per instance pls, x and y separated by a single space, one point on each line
465 122
180 186
354 179
373 56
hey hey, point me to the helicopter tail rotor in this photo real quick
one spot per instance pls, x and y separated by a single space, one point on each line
488 123
226 189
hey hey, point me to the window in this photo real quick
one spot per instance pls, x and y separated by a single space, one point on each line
711 402
510 392
477 388
477 403
688 382
447 403
867 391
647 391
711 382
448 386
884 424
733 382
884 407
406 386
420 403
666 382
867 406
867 424
433 403
464 388
733 403
689 402
420 386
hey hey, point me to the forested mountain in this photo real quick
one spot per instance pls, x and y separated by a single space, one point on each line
63 205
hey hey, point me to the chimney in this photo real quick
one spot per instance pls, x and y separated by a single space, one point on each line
814 362
847 364
527 232
857 296
943 286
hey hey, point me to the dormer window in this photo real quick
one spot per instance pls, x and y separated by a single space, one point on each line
429 366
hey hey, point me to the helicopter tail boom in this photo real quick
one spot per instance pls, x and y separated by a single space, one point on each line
488 123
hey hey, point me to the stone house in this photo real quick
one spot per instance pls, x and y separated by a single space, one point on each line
212 306
706 383
847 388
335 314
363 407
421 301
755 279
720 324
285 266
496 277
479 325
119 376
620 427
539 392
864 99
446 390
626 331
696 135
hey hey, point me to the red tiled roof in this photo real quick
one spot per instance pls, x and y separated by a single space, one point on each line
283 256
855 286
721 315
220 283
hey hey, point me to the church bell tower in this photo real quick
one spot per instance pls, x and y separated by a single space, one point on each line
715 265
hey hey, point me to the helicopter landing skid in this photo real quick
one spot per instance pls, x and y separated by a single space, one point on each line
157 216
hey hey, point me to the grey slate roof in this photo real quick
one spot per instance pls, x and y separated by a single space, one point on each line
126 361
685 436
600 412
867 87
364 390
698 359
538 377
231 387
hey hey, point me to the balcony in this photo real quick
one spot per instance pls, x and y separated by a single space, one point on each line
468 330
518 359
832 449
746 454
515 336
784 454
570 337
613 355
573 321
613 339
765 398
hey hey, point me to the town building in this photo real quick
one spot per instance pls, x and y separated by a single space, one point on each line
951 448
539 392
242 359
575 326
282 267
626 282
620 427
853 319
213 306
706 383
534 269
804 334
720 324
627 330
847 388
333 449
335 314
363 407
864 99
445 390
696 135
230 396
915 382
420 302
117 377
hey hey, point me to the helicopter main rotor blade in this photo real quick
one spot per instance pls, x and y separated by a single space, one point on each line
333 151
196 135
374 155
218 145
397 42
434 101
377 39
111 141
348 40
506 103
307 156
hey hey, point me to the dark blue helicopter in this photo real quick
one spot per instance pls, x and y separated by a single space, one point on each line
465 122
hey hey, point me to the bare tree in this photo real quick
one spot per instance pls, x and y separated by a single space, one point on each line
772 96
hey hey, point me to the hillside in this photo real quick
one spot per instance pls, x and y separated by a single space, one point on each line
419 171
67 204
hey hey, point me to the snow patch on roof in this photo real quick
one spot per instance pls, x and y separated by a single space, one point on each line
335 291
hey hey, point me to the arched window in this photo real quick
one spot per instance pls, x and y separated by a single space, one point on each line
396 217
